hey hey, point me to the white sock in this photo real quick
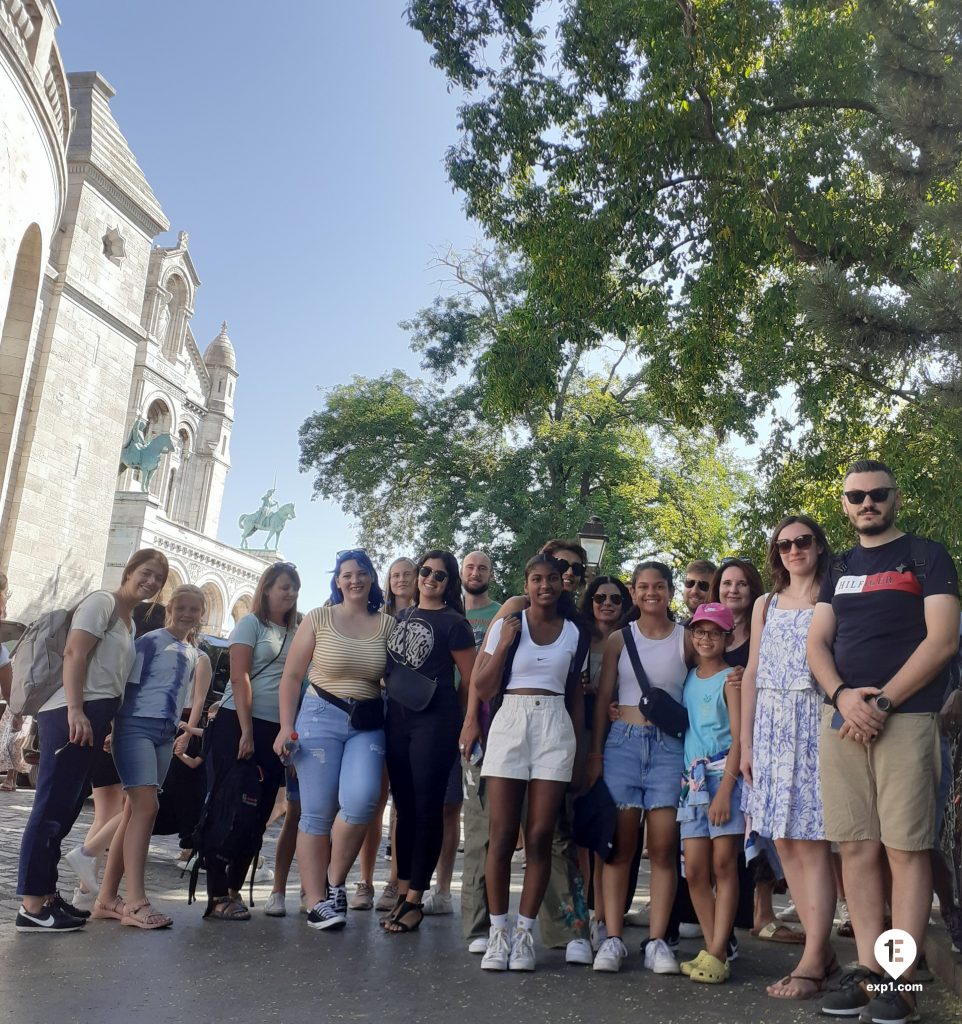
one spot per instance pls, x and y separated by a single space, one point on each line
499 921
527 923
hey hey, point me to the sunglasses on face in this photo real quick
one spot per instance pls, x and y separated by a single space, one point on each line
877 494
576 568
702 585
803 543
601 598
438 575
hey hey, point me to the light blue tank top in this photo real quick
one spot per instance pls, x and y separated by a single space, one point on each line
709 730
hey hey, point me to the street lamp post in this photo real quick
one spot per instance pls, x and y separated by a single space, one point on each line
592 538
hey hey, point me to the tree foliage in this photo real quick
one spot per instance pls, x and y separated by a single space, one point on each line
457 460
762 198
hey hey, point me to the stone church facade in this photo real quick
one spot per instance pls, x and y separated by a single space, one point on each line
96 336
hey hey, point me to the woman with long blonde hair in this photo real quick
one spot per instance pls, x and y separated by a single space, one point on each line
143 741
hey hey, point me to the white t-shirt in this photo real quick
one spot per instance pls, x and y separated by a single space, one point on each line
537 666
113 656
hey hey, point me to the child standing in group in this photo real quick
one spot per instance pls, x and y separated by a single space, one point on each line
143 738
712 824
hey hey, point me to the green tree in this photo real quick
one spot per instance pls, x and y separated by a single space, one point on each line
764 196
459 460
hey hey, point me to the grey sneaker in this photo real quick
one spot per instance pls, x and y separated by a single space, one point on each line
363 898
889 1007
387 898
851 996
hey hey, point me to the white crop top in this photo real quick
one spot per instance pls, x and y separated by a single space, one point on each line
536 666
663 662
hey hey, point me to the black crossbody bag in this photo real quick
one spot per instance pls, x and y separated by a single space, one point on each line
363 715
659 707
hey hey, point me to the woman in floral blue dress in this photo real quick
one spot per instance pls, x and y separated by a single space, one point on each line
781 710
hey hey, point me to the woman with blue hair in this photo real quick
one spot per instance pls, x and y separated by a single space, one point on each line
339 752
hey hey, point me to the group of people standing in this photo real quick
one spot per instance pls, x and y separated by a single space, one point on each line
804 716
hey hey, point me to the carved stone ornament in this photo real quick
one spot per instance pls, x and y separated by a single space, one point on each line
115 246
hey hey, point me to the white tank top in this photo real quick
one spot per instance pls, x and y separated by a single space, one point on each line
662 660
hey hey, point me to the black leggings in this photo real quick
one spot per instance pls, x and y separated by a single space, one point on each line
421 748
224 739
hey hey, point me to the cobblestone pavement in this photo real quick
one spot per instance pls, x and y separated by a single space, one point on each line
271 969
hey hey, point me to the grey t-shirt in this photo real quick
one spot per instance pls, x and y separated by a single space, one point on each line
113 656
269 644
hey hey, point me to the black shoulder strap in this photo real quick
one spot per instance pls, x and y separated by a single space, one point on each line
264 668
636 662
917 556
837 570
509 657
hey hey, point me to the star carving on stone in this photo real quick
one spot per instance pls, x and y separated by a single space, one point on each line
115 246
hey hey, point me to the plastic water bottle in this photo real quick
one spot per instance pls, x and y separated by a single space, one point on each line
289 749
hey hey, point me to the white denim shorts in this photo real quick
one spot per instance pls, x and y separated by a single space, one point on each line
530 738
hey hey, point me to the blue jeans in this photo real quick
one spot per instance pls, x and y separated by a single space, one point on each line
142 748
338 767
694 819
62 782
643 767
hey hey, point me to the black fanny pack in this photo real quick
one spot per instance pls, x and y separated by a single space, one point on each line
658 706
363 715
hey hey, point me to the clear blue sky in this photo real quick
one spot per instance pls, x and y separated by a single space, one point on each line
301 145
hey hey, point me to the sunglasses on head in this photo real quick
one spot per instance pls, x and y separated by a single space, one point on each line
282 565
576 568
350 553
803 543
877 494
439 575
601 598
702 585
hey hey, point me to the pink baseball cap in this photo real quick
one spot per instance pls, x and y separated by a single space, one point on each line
717 614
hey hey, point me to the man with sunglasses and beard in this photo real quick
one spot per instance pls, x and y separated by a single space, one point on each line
697 583
563 917
884 630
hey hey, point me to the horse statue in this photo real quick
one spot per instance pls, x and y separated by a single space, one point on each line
273 523
144 455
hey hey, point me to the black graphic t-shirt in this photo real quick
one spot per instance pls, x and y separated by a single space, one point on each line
423 640
879 609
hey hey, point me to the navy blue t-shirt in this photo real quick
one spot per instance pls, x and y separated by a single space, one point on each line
879 610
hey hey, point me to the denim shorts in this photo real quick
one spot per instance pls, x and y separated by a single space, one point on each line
292 786
142 748
643 766
699 826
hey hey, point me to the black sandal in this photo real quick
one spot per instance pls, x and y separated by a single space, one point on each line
399 926
392 913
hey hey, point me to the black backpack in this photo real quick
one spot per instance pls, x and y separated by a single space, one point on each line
229 828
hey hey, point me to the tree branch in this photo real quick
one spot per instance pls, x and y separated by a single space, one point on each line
828 103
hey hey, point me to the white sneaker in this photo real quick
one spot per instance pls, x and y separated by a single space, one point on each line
263 873
83 900
437 902
688 931
478 945
497 952
275 906
789 914
522 951
599 933
659 959
578 951
610 955
637 918
84 867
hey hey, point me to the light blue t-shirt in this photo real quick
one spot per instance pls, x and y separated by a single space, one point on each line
709 729
270 644
162 674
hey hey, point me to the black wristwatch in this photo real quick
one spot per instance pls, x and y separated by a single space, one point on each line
834 701
884 704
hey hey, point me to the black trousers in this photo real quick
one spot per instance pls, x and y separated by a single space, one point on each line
63 782
224 738
421 747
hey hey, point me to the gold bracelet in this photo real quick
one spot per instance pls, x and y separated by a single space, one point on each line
732 774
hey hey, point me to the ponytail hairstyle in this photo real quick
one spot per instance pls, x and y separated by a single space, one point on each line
186 590
634 611
567 608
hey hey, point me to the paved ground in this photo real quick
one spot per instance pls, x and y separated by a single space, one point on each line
279 970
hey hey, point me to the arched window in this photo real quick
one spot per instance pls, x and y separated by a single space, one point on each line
172 322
